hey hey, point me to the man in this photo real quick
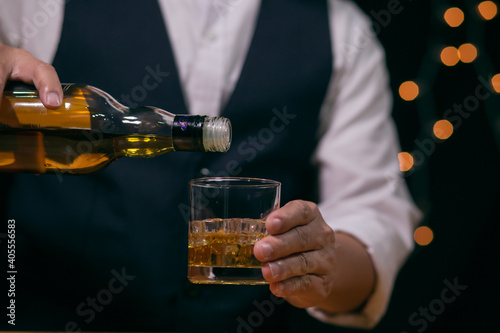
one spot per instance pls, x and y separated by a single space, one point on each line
310 107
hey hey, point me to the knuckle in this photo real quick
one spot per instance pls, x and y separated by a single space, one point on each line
305 263
327 287
303 208
298 285
328 232
43 67
306 283
331 255
326 239
302 237
295 285
327 255
329 237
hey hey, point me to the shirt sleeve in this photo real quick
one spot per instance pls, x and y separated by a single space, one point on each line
32 25
362 192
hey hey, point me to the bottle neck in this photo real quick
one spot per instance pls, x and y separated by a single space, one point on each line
187 133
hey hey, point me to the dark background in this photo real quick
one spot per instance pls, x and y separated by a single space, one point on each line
457 186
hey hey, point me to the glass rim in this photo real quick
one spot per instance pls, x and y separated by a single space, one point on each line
234 182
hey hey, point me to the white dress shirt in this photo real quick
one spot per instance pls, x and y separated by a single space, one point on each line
361 192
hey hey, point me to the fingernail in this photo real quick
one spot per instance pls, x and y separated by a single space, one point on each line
53 99
278 289
266 250
277 223
275 269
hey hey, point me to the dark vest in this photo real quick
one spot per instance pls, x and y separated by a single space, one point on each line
108 251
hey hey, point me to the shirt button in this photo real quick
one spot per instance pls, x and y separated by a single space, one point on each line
205 172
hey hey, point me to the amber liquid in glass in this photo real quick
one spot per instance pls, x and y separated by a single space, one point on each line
224 257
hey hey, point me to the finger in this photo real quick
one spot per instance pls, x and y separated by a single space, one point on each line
47 83
292 214
299 239
318 262
30 70
303 291
312 236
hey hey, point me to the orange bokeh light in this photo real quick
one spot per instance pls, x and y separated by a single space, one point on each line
409 90
450 56
487 9
443 129
423 236
405 161
467 53
495 82
454 17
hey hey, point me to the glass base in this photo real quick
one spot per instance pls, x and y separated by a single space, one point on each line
225 275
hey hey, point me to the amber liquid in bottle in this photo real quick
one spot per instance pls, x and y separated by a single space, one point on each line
86 134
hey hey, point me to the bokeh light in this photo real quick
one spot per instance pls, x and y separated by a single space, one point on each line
405 161
450 56
467 53
443 129
423 236
409 90
495 82
487 9
454 17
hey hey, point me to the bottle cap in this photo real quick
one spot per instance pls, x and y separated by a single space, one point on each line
217 134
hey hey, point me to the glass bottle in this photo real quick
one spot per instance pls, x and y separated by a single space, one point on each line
92 129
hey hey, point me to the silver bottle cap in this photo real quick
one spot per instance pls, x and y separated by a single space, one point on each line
217 134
